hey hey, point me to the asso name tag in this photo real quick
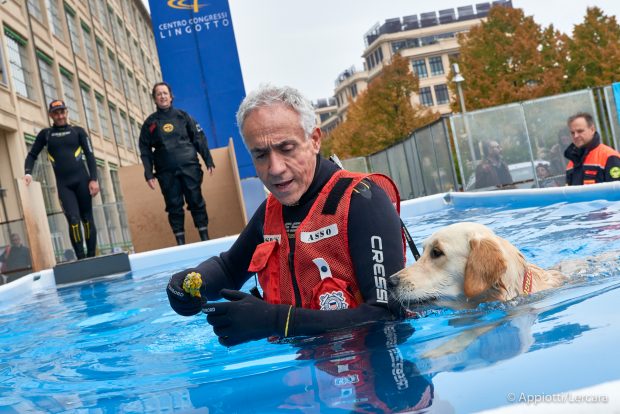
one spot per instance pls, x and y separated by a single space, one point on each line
320 234
272 237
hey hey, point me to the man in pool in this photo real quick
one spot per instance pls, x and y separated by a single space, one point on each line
323 243
589 160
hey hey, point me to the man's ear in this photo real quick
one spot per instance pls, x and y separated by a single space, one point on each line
485 267
315 136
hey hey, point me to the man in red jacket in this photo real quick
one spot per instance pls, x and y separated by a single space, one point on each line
590 161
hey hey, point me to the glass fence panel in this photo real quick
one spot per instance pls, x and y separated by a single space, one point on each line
411 151
379 163
549 135
15 258
445 168
614 115
357 164
399 171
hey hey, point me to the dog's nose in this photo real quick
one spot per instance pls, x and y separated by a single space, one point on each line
393 280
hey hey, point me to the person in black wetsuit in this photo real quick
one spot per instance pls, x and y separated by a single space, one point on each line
170 140
67 145
323 244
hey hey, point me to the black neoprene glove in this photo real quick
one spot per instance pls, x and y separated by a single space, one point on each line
182 302
246 318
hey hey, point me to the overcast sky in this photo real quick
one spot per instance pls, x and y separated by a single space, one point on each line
307 44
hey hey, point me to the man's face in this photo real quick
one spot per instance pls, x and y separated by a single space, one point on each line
581 133
59 117
163 99
495 150
285 159
15 240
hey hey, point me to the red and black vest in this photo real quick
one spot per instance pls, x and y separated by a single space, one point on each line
321 271
593 166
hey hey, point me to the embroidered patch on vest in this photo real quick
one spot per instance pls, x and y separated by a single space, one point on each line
614 172
168 128
333 301
320 234
272 237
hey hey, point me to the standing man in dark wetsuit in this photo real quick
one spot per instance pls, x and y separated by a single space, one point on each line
170 140
323 244
66 147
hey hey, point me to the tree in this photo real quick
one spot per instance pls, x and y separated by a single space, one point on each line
382 114
594 51
510 58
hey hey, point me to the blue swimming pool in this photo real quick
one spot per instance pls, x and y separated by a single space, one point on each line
114 345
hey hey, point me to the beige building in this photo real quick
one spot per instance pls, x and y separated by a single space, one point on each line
428 40
100 57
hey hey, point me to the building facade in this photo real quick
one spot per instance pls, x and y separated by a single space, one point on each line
428 40
99 56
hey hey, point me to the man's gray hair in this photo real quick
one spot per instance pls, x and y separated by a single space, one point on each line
267 95
585 115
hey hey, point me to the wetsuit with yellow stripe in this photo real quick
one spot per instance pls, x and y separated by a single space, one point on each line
67 146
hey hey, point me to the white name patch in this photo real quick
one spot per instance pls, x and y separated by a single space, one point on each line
272 237
320 234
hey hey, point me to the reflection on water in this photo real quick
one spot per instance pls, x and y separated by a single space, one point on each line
116 346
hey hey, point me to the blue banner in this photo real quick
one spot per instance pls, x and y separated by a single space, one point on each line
616 88
198 56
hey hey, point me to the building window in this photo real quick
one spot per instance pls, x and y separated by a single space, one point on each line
133 93
69 94
103 15
125 89
55 18
46 71
436 65
44 174
419 68
88 106
73 31
34 9
441 94
353 90
135 132
114 70
19 63
103 119
2 69
103 60
88 45
426 96
125 127
116 128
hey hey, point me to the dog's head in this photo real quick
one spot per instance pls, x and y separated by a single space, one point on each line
463 261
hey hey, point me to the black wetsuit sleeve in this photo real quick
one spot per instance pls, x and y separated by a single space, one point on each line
612 162
39 143
229 270
199 140
87 148
146 154
376 246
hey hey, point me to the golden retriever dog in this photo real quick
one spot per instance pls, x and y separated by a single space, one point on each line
466 263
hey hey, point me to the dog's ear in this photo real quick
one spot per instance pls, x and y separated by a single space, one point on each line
485 267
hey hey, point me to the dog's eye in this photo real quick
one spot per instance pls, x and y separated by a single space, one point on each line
435 253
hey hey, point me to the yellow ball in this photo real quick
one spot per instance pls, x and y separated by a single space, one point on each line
192 284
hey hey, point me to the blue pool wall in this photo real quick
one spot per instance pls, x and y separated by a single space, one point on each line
156 261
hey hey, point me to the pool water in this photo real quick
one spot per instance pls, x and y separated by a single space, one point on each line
114 344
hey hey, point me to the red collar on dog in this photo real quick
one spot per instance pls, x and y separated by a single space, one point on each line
527 282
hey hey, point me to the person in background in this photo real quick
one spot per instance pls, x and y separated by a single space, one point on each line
170 141
492 170
323 244
16 256
545 179
67 145
590 161
556 155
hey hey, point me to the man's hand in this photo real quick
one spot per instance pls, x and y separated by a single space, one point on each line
151 183
93 188
245 318
181 301
210 169
27 179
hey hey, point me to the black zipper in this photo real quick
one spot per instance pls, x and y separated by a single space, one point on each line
291 268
